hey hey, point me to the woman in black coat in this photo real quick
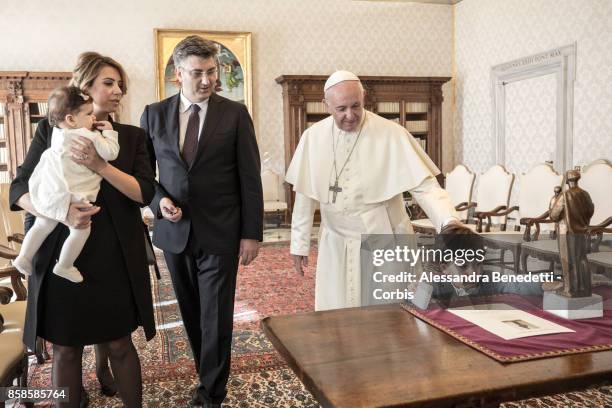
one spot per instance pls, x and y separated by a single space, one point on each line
115 296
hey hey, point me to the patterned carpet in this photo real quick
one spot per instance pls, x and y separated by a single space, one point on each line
259 377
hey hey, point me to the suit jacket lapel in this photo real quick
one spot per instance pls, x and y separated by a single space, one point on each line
172 125
213 115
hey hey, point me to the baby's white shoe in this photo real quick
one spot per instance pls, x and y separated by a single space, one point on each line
23 265
71 273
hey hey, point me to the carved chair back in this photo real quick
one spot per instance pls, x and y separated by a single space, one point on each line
13 220
493 191
459 184
537 188
4 241
596 179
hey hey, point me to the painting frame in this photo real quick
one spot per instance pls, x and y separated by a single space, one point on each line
238 43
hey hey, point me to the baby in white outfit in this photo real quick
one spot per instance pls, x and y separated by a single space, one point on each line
58 180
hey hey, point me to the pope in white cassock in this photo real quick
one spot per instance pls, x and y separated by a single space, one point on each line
356 164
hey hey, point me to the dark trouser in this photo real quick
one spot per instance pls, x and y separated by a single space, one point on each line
205 285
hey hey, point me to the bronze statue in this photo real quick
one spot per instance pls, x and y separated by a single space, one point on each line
572 209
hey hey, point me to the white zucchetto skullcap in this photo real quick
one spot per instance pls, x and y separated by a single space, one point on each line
339 76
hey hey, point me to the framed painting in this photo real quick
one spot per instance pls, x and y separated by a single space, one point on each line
234 63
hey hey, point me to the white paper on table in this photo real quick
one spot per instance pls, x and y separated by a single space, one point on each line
507 322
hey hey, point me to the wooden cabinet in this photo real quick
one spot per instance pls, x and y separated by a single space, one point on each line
413 102
23 102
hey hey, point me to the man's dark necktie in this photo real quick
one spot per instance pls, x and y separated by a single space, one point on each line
190 145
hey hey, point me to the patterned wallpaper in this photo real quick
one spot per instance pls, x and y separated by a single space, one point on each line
491 32
289 37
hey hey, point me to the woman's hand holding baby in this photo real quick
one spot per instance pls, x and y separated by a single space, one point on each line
79 215
103 125
84 152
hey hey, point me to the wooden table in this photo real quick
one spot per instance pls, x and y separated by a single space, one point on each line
382 356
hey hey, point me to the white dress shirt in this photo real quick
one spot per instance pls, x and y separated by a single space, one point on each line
184 112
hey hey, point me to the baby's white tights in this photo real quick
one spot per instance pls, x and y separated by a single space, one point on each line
70 250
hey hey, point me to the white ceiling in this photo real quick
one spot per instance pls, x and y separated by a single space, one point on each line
419 1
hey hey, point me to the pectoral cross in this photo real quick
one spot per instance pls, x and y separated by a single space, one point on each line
336 189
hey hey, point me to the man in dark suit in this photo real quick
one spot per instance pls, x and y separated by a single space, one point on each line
208 206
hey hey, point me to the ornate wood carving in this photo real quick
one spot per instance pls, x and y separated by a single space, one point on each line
17 90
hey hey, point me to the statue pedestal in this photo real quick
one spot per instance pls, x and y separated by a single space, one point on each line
573 308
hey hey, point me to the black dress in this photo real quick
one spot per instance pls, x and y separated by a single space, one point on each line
115 296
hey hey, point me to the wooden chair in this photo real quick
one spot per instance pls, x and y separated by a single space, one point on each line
536 188
7 253
601 256
272 199
459 184
601 260
13 220
13 353
492 196
596 179
7 270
